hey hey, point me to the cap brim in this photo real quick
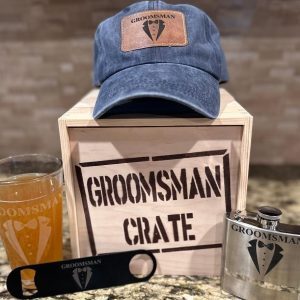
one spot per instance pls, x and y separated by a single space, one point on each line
183 84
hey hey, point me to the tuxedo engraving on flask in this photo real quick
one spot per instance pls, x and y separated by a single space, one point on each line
261 256
264 256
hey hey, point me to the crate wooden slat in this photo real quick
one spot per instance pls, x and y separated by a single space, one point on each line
84 139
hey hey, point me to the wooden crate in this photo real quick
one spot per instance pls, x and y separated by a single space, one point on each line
158 183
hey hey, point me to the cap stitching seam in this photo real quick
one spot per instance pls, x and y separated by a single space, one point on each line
207 21
155 63
98 45
191 92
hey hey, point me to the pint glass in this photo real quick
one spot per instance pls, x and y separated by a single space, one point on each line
31 210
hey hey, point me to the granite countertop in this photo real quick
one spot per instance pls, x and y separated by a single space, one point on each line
280 189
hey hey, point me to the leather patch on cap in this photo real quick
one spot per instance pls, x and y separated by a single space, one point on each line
153 28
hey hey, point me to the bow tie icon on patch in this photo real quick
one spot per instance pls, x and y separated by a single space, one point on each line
32 224
269 246
152 22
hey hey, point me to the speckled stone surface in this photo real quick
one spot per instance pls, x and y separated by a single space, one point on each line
264 189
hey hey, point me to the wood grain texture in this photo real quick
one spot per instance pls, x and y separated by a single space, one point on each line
108 141
231 113
69 185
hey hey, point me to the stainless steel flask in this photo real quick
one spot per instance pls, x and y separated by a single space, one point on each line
261 256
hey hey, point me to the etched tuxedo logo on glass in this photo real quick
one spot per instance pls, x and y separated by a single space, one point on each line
29 240
154 28
265 256
31 211
82 276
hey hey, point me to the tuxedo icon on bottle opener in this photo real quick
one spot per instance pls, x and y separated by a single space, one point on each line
154 28
264 256
22 243
82 276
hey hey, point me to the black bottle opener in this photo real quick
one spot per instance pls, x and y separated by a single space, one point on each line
77 275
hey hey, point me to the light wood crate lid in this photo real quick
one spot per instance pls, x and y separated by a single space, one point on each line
231 113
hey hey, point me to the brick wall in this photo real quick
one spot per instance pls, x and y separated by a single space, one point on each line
46 66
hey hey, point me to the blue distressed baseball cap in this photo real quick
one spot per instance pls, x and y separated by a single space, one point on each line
156 50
